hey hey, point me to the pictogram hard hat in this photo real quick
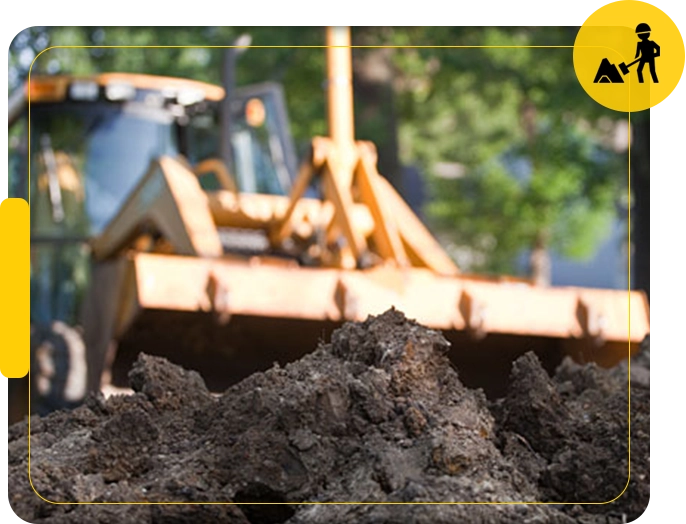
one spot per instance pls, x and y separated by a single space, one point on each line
643 28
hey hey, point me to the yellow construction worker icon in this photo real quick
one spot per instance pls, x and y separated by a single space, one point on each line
618 60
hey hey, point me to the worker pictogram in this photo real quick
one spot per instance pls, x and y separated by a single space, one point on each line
629 56
646 53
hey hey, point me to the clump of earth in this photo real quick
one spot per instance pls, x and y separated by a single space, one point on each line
377 415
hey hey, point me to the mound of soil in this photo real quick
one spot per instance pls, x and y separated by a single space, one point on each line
377 415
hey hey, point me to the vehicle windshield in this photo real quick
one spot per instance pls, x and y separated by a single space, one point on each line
263 157
86 159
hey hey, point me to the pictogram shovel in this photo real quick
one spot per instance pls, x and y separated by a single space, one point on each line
625 68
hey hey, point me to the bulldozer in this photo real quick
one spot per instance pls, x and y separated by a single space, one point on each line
149 240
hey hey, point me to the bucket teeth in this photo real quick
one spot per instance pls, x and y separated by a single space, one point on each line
474 313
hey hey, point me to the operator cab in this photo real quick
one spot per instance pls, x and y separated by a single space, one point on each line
93 139
85 143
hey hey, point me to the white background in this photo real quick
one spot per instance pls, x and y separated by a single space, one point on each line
668 119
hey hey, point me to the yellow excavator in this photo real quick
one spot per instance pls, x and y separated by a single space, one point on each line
151 242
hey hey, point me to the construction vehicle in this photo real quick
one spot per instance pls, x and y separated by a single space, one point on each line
227 269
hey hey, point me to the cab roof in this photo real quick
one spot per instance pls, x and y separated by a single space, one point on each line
55 88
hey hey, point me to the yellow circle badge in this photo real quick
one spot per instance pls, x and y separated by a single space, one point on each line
629 56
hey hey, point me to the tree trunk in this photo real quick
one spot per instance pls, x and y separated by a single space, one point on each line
640 212
540 265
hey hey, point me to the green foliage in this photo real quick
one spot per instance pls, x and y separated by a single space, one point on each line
562 188
466 209
535 152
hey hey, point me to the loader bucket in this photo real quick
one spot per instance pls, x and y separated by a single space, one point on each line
230 317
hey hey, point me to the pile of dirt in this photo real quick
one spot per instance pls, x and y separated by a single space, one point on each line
377 415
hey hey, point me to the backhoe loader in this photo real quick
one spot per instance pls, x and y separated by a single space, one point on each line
152 243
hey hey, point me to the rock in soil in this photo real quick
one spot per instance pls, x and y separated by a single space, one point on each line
377 415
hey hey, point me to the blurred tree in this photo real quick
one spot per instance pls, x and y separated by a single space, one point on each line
640 181
519 157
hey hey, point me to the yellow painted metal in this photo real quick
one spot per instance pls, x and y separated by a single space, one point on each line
386 235
256 211
266 288
340 86
218 167
348 175
54 88
169 199
279 232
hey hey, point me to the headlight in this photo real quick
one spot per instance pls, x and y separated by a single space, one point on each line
187 97
83 90
117 91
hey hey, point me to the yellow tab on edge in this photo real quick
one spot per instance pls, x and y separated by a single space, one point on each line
15 274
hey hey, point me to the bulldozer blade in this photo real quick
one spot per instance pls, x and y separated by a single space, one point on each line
229 317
